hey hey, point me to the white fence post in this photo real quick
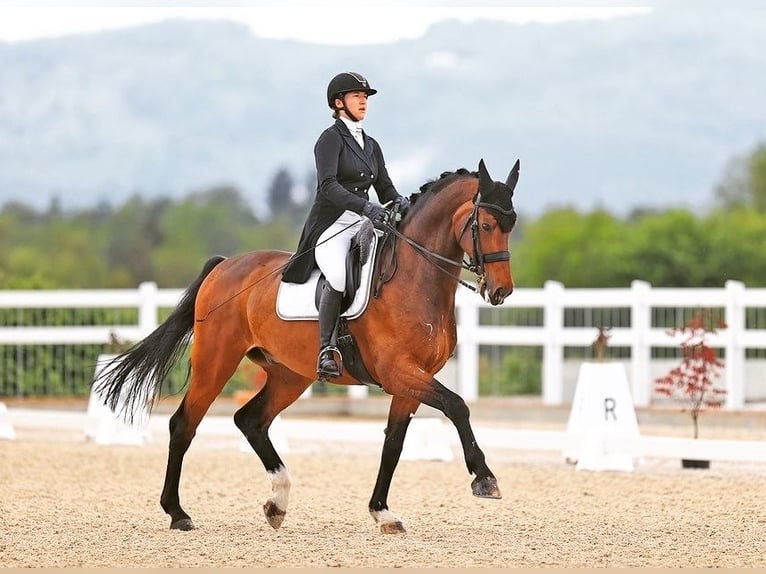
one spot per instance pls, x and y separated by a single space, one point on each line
735 351
640 350
468 349
553 350
148 311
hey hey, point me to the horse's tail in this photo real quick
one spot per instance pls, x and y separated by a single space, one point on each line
132 381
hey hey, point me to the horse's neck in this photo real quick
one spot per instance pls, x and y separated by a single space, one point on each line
432 227
441 242
433 230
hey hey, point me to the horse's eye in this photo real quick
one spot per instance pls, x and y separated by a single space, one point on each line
486 226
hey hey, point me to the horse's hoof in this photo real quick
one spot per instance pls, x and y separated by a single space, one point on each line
274 515
182 524
486 487
392 528
387 521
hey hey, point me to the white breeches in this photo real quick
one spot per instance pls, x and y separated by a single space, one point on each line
330 254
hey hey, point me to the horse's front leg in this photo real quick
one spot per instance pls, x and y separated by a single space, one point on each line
436 395
454 408
399 415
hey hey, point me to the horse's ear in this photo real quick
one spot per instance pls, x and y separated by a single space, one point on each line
484 180
513 176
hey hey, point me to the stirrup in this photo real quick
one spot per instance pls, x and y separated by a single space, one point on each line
327 372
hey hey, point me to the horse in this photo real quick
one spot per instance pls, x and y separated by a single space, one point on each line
404 336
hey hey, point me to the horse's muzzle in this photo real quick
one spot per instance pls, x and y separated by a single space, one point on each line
497 296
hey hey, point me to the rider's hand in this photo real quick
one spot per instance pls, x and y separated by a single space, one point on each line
374 212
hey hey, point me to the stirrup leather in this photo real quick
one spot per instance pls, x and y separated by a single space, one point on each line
328 354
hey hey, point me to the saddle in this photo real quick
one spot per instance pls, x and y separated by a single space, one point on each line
300 301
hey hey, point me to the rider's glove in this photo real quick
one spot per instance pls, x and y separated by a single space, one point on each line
374 212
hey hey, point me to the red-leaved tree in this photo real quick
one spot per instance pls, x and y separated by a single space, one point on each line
693 380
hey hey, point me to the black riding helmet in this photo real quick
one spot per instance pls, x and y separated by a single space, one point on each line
347 82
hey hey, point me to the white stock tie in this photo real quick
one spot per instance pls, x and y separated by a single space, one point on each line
357 133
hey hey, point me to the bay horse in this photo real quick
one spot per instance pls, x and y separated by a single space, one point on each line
404 337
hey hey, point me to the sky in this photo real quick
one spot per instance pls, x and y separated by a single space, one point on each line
362 22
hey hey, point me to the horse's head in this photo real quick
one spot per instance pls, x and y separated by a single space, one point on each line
490 218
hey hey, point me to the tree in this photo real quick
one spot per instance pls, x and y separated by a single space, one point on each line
693 380
744 181
668 249
211 222
564 245
736 239
280 193
134 233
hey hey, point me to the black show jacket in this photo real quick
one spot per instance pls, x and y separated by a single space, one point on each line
345 173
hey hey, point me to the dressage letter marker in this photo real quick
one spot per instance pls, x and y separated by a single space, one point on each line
6 428
427 439
602 432
105 427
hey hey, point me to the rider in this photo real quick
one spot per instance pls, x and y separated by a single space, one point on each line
348 163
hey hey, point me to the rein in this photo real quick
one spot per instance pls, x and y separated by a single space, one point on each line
476 267
427 253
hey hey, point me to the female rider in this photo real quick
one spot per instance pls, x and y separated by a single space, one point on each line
348 163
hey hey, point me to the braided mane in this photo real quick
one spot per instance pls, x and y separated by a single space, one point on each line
430 188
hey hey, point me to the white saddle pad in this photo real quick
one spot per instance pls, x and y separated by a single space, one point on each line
295 301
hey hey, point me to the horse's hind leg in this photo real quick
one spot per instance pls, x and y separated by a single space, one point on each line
399 416
179 444
282 388
207 380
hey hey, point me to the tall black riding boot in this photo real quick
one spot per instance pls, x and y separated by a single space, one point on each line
329 310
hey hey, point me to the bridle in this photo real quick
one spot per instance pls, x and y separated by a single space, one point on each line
481 259
476 263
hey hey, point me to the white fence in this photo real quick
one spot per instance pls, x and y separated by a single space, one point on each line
640 337
551 335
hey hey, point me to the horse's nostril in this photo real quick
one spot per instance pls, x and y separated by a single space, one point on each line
501 294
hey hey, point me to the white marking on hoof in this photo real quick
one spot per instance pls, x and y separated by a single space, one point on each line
280 486
388 522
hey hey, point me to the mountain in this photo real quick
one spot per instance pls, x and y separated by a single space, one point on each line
634 112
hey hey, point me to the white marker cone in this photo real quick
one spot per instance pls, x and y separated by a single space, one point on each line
427 439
